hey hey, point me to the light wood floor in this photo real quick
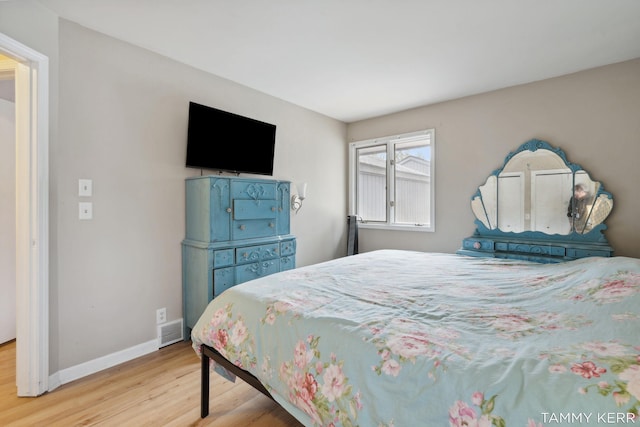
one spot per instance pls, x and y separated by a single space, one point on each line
160 389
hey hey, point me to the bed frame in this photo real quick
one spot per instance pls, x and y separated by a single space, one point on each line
205 372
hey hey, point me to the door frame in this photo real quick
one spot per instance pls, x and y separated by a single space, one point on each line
32 216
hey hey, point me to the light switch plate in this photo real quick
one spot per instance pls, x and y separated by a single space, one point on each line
85 187
85 210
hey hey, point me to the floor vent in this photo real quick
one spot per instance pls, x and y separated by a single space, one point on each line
169 333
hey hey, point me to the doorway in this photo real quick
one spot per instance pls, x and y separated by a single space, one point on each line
32 215
7 200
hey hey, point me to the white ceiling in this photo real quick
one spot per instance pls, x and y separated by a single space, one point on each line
356 59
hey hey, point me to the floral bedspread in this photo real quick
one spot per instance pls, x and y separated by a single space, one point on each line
402 338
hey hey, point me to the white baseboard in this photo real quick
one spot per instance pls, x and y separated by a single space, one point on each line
96 365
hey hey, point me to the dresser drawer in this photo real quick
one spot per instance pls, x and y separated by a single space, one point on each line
583 253
246 272
251 209
252 228
253 190
478 244
257 253
288 247
536 249
223 258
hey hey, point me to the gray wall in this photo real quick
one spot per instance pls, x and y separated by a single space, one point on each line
120 119
123 117
594 116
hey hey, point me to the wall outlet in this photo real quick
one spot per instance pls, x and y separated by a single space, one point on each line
161 315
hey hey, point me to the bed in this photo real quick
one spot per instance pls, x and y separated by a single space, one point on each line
533 322
388 337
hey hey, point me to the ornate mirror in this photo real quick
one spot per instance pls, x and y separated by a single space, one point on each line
539 197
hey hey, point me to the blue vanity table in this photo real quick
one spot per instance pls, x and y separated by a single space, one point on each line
237 229
539 207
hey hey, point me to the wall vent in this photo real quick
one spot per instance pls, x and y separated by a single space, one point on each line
169 333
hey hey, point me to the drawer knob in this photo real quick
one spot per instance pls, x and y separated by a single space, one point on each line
273 209
242 227
228 210
477 245
271 224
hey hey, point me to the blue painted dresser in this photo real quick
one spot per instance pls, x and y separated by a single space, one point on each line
237 229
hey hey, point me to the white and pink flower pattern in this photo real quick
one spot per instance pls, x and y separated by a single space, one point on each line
231 338
612 290
632 376
463 415
516 323
320 388
597 358
469 330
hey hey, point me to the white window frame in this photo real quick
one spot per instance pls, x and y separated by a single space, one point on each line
389 142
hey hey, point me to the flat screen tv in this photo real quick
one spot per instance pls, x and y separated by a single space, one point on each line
223 141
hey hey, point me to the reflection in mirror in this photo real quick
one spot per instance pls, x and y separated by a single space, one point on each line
537 190
485 206
511 215
586 208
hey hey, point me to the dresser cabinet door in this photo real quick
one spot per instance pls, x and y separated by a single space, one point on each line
287 263
223 279
284 208
208 211
220 210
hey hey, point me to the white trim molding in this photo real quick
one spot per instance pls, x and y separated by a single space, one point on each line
96 365
32 217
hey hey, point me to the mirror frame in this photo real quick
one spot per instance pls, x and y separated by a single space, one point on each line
595 235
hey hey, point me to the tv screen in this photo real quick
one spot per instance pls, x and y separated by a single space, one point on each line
223 141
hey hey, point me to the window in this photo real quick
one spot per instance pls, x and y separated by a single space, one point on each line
391 181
